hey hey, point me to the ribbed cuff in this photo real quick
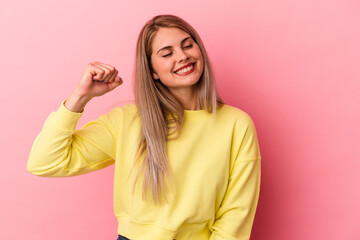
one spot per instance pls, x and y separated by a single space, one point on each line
65 119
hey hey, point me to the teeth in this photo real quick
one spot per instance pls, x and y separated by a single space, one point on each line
184 70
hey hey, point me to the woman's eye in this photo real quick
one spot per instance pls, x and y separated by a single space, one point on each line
166 55
188 46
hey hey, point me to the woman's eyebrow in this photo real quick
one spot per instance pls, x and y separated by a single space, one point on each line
167 47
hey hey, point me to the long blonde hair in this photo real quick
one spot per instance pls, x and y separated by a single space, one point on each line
161 114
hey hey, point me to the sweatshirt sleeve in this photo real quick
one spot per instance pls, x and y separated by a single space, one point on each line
60 151
235 216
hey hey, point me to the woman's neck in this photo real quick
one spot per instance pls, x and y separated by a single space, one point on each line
187 97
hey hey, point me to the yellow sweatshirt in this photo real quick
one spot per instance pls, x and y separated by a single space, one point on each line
216 167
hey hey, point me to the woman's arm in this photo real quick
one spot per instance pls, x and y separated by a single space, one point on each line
59 149
235 216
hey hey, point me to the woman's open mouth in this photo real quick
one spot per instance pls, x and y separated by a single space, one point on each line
185 70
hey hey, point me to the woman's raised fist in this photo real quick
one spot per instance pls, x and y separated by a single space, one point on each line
98 78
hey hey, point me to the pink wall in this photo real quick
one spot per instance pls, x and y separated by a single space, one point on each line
292 65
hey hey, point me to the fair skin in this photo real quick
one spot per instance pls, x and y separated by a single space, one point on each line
176 61
174 49
97 79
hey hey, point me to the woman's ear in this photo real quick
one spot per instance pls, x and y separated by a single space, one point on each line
155 76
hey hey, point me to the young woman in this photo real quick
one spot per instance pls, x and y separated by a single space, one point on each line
187 166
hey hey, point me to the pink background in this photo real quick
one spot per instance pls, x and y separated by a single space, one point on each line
292 65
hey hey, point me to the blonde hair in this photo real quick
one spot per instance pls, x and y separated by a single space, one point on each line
161 114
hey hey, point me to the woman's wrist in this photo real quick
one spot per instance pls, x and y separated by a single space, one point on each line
76 103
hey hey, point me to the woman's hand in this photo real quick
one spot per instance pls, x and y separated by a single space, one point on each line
97 79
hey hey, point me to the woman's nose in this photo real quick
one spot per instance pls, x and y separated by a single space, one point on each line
182 56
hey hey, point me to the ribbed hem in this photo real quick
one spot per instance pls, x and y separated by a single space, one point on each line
133 229
142 231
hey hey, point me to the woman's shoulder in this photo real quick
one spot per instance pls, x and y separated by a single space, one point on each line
129 108
125 113
234 113
240 120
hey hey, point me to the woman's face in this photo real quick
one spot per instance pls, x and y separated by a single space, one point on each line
176 59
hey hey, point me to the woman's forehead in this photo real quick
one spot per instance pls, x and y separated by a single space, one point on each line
168 37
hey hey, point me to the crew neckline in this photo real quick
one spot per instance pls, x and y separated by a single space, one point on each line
191 115
200 110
